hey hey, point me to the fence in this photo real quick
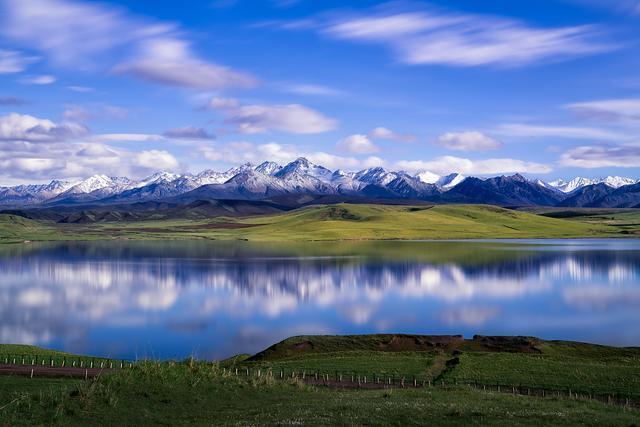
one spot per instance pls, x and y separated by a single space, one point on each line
343 379
352 379
62 361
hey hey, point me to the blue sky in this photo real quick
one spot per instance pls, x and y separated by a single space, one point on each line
548 88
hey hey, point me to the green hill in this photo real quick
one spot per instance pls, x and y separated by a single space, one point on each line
330 222
15 228
346 221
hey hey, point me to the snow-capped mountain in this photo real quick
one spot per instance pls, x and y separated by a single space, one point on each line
268 168
445 183
376 176
302 177
428 177
579 182
618 181
345 182
96 182
303 167
158 177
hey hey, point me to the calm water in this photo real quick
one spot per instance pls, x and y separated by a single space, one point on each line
172 299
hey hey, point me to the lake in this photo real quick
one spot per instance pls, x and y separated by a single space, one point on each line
172 299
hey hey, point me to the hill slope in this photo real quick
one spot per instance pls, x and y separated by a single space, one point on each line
344 222
15 228
326 222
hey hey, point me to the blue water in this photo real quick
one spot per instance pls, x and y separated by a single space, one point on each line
215 299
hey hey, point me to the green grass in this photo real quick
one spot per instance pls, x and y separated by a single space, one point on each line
196 393
32 355
201 394
616 376
552 365
14 229
334 222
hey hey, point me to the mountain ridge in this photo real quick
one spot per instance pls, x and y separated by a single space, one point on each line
302 177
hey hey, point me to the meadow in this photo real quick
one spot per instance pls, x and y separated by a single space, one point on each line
198 392
336 222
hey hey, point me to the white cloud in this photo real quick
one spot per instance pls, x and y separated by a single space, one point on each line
312 90
38 80
33 149
83 113
468 141
126 137
384 133
600 156
434 37
610 109
447 164
170 61
88 35
157 160
23 127
291 118
188 132
359 144
534 131
13 62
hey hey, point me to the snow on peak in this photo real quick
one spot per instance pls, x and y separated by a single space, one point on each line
618 181
449 181
302 166
376 176
268 168
579 182
93 183
428 177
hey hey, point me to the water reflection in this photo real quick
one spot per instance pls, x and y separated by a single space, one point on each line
171 299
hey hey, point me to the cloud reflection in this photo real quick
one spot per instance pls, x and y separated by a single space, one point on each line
57 295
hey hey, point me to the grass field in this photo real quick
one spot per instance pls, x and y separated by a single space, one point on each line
336 222
196 393
201 395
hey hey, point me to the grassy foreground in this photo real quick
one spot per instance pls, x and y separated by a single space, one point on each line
197 393
336 222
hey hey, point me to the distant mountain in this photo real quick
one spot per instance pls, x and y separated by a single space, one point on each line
428 177
449 181
627 196
302 180
269 168
513 190
587 196
604 196
33 194
580 182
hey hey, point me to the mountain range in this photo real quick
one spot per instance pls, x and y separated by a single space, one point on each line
302 178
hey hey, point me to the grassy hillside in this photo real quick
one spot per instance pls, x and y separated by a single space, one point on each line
393 222
14 228
332 222
526 361
196 393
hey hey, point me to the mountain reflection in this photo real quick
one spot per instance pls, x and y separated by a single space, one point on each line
59 293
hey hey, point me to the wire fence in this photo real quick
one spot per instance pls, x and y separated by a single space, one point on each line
350 379
344 379
63 361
